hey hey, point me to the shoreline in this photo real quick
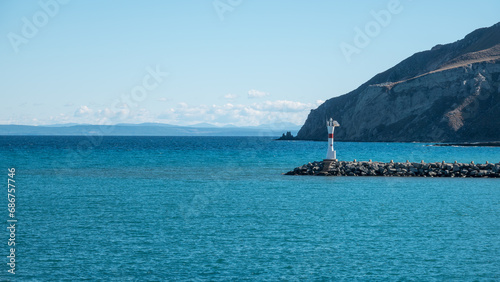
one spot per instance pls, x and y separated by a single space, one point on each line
472 144
428 143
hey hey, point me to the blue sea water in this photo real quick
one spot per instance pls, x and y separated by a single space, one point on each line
219 208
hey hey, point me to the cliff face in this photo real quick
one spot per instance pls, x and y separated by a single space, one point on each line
449 93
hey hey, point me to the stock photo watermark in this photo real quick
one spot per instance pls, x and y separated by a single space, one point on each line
31 26
364 36
153 78
12 221
201 201
125 104
224 6
140 92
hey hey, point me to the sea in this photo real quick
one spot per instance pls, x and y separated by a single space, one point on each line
219 208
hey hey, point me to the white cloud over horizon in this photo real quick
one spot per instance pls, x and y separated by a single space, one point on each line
83 111
258 113
230 96
266 112
256 94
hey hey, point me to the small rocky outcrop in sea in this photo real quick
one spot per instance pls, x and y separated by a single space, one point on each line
287 136
355 168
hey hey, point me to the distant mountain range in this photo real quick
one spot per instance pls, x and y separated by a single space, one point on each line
149 129
450 93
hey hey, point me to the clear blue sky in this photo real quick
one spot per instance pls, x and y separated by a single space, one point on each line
228 61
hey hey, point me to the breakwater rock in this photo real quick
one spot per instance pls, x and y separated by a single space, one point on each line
355 168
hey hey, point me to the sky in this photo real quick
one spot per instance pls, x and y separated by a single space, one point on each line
222 62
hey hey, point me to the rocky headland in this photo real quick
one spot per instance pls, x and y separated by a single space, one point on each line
450 93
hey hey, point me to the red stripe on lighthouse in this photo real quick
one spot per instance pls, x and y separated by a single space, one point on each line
330 135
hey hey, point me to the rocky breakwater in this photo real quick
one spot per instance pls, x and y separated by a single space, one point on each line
406 169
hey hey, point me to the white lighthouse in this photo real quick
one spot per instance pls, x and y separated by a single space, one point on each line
331 154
